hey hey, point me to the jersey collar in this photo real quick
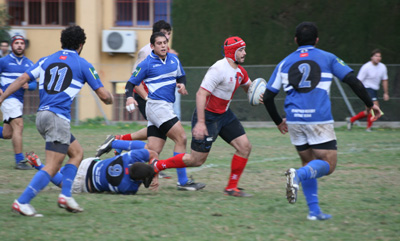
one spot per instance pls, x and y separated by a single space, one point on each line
305 47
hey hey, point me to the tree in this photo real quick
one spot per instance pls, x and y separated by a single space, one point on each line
4 27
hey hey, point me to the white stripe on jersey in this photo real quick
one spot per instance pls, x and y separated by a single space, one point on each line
77 83
327 75
167 75
6 81
71 91
155 86
11 74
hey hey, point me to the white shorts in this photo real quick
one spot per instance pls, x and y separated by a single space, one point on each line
158 112
79 184
313 134
11 108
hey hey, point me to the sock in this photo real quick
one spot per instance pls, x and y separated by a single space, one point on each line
126 137
310 191
314 169
39 167
172 162
57 179
181 172
369 121
69 173
128 145
237 166
38 182
1 132
19 157
360 115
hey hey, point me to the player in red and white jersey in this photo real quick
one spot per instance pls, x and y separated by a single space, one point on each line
212 117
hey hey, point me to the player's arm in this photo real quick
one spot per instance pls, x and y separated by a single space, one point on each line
385 85
104 95
269 103
181 84
16 85
141 91
359 89
200 129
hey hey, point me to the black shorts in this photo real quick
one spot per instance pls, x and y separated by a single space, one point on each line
373 94
225 125
163 130
330 145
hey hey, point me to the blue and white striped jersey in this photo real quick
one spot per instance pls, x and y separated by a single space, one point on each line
306 76
112 175
11 67
62 75
159 75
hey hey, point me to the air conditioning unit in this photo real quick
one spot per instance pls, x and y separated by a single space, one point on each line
119 41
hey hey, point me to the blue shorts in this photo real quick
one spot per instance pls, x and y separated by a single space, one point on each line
373 94
225 125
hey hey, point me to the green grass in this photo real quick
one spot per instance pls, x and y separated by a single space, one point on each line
362 195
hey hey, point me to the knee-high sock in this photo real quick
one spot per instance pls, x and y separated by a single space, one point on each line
126 137
369 121
38 182
314 169
360 115
310 190
237 166
19 157
172 162
1 132
69 173
128 145
181 172
56 180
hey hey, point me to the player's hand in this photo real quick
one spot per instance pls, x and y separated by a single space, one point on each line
25 86
154 184
130 104
200 131
261 99
376 112
385 97
181 89
283 128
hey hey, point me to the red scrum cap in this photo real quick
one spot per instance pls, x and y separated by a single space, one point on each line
231 45
17 37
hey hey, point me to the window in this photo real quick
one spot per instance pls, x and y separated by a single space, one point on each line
142 13
41 12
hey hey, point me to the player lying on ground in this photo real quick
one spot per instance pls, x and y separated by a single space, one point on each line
121 174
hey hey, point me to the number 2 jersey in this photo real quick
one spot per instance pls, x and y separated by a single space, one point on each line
112 175
62 76
306 76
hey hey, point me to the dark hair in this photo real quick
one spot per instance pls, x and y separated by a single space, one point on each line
375 51
72 37
5 41
140 171
155 35
306 33
161 25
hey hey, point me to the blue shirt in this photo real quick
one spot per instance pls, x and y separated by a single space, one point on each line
159 75
112 175
11 67
306 76
62 75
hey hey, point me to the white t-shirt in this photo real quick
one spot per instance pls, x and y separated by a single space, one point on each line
221 80
371 75
142 55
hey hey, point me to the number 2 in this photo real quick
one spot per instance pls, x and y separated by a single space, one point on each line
305 70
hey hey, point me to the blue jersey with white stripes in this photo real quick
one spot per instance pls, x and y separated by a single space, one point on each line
112 175
306 76
62 75
11 67
159 75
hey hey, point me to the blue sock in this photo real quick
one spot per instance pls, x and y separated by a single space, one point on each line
68 173
1 132
57 179
38 182
128 145
310 191
19 157
181 172
39 167
314 169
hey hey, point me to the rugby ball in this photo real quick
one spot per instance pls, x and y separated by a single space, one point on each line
256 88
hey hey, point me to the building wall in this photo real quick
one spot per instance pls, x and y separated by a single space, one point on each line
93 16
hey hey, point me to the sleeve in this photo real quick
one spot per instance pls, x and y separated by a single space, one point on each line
275 81
212 79
139 155
91 76
139 74
362 74
246 76
34 71
180 72
339 68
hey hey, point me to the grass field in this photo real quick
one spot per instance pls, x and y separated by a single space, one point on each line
363 195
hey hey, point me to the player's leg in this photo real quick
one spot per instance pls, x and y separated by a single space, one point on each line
17 126
35 162
234 134
370 120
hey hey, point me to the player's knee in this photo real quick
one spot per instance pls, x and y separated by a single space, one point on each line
195 162
245 149
7 135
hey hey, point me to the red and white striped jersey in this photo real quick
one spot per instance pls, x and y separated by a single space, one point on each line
221 80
